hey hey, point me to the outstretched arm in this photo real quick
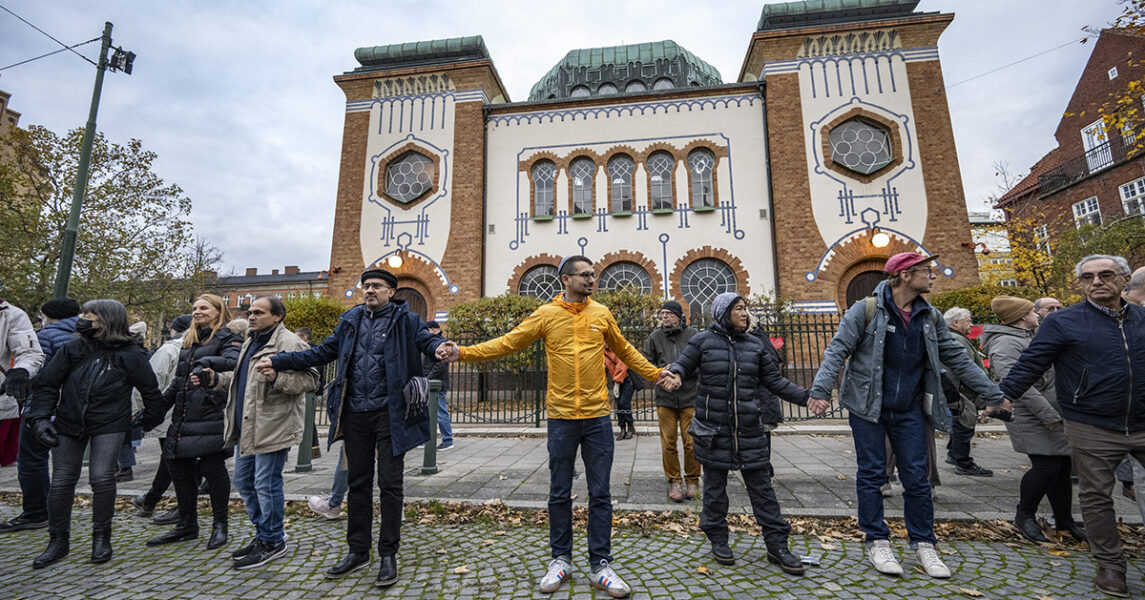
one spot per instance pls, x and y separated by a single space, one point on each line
525 333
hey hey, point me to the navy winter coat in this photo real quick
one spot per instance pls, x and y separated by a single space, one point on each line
406 339
728 425
1099 366
54 335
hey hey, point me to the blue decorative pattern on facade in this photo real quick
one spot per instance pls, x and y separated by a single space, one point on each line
627 110
420 221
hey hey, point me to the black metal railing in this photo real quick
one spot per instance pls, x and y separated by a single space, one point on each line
1115 151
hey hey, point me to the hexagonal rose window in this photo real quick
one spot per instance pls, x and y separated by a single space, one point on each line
409 177
860 146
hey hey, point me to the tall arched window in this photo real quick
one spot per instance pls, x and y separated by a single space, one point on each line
544 172
540 282
660 167
583 172
625 274
703 280
620 169
701 163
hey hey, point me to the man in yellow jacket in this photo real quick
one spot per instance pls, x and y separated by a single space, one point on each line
575 329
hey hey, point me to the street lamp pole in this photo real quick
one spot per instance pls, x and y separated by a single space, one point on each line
67 252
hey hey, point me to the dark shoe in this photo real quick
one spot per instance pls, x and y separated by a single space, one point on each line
620 435
168 518
141 507
785 559
388 572
101 545
631 432
262 554
723 553
58 547
1029 528
442 447
691 490
973 471
1111 582
218 535
315 452
180 533
21 523
123 475
245 550
1075 530
351 563
951 461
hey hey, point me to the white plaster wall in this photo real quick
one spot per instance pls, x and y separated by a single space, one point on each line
736 123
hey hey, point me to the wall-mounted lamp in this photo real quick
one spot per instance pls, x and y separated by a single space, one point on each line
879 239
976 246
395 261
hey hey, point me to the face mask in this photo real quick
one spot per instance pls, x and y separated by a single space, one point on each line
84 328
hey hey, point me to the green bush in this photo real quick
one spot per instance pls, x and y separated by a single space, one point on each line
977 299
629 306
490 317
319 314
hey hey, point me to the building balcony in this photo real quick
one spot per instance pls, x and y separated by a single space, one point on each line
1114 152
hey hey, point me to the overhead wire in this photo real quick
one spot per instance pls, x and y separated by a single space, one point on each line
48 35
995 70
24 62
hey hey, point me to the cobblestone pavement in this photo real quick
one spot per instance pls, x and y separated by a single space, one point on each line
475 561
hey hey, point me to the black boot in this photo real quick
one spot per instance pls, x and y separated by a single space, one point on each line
388 572
723 553
101 545
58 547
1027 525
181 533
218 535
780 555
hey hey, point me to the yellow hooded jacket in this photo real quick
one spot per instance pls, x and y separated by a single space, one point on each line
575 335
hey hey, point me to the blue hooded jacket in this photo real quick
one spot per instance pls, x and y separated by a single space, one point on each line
54 335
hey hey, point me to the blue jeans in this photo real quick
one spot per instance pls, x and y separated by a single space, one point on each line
258 479
624 401
32 471
341 482
907 433
594 437
443 419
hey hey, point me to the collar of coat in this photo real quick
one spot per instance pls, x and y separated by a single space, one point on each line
573 307
1118 314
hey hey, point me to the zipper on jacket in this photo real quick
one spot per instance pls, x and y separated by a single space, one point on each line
1081 381
735 400
99 370
1129 366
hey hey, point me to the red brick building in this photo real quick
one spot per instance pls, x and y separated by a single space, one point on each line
1094 175
239 290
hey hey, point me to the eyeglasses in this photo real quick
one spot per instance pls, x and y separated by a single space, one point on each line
375 286
587 275
1053 308
1103 275
926 270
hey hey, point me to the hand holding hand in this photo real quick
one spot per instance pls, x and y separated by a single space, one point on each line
204 378
818 406
266 368
448 352
1001 411
669 381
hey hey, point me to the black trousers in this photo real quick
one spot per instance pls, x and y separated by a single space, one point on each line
368 434
161 481
1048 477
185 476
764 505
958 447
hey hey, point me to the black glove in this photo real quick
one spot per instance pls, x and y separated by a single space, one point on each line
16 384
46 432
1001 415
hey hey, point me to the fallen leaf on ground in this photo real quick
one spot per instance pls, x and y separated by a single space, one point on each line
1054 563
973 593
702 570
441 551
500 532
840 476
1046 598
488 543
463 569
501 478
828 546
1059 552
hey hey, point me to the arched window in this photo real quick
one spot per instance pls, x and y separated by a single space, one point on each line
540 282
703 280
606 89
544 172
701 163
635 86
579 91
620 169
663 84
583 172
660 167
625 274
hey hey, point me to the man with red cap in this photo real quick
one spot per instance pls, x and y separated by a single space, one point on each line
892 345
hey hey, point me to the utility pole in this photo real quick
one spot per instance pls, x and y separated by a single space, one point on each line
67 252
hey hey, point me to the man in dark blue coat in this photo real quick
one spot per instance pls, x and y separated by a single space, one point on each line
1095 346
378 346
58 327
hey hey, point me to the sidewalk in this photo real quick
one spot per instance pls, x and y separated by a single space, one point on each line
814 474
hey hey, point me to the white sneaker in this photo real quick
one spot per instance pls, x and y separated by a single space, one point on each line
883 558
928 561
604 578
886 490
560 569
322 506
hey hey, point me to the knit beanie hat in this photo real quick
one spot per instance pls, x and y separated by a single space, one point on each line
1010 309
60 308
673 306
180 323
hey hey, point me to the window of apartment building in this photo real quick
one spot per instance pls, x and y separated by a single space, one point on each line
660 167
620 168
1008 283
1113 73
1133 196
290 295
316 294
1095 140
583 172
1042 238
1087 212
226 299
544 173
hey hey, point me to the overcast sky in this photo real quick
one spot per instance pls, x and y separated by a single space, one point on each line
237 97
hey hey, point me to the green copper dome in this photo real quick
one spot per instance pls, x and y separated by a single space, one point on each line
619 69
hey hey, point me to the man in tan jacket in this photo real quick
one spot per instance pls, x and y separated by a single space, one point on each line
264 418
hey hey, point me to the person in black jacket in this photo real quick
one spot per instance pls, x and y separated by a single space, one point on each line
196 430
86 387
728 429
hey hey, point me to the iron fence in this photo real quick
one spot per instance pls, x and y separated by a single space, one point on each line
511 390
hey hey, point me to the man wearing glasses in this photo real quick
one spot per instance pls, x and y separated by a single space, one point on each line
377 346
1097 348
893 345
1044 307
575 329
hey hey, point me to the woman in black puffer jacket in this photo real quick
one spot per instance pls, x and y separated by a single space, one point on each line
196 431
86 387
728 430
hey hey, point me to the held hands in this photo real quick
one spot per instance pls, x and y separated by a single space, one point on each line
266 368
818 406
204 377
1001 412
669 381
448 352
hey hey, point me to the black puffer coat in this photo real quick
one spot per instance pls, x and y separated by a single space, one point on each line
87 386
197 419
727 429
